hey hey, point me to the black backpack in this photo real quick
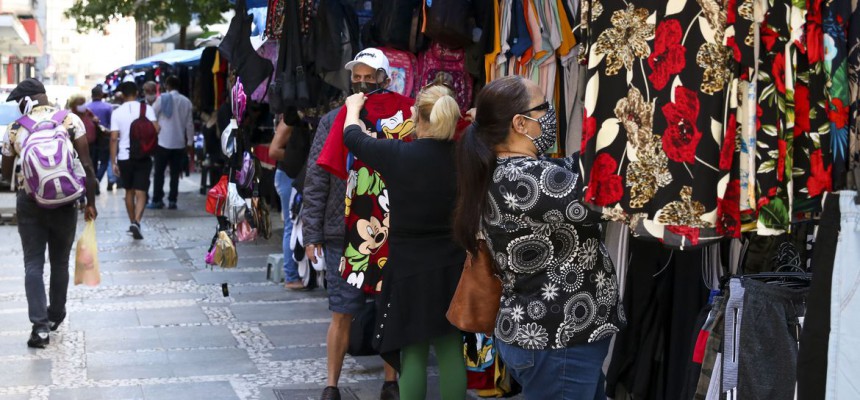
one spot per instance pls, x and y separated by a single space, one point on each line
336 37
237 49
393 24
449 22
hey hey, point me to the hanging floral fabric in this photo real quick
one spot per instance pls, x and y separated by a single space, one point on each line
853 44
655 102
275 18
783 60
834 17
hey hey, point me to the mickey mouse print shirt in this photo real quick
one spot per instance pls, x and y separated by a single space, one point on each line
368 211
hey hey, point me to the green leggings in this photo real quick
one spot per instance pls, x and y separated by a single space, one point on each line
452 368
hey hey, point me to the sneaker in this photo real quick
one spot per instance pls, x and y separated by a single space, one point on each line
38 340
295 285
330 393
54 325
390 391
110 187
135 231
155 206
172 205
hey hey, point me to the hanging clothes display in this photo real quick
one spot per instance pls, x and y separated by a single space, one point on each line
843 381
662 299
697 121
653 137
815 338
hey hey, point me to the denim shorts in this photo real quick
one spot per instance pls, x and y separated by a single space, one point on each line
574 373
343 298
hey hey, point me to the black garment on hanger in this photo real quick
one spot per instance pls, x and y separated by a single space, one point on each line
664 295
815 338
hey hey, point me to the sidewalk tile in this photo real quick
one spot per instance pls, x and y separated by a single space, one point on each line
26 372
172 316
99 393
185 391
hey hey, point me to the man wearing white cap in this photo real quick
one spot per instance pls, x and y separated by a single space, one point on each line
351 279
371 71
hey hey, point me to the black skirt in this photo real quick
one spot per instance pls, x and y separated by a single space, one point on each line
417 286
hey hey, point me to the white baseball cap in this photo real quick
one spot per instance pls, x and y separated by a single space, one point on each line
373 58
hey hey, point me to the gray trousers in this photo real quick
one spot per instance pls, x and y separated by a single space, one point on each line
42 228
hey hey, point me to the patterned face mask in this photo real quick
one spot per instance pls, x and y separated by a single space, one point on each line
548 128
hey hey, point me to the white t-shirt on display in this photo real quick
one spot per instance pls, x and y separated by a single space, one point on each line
120 121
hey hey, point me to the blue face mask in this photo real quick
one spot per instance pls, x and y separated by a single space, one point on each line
9 112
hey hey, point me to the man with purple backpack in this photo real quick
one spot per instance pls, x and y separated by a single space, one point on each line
56 172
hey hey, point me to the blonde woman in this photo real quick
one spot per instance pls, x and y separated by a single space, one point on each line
424 263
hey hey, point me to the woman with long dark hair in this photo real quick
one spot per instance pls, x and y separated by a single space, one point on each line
424 265
559 306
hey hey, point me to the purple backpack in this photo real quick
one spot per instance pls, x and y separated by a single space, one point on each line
245 175
53 176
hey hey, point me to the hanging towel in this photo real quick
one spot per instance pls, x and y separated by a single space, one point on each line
167 105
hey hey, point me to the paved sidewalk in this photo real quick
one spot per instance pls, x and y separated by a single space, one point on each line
158 326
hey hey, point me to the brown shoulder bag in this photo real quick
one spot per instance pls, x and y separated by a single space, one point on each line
475 304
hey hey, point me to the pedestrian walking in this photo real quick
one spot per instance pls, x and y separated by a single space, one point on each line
102 112
47 219
424 263
76 106
150 92
559 305
284 187
175 141
131 163
326 232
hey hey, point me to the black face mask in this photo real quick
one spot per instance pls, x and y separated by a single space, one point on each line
365 87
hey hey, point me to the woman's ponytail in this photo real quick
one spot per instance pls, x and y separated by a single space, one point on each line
443 117
475 165
496 106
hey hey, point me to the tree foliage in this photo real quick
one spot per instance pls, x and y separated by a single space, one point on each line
97 14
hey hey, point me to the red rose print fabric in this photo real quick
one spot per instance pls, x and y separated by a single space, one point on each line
655 151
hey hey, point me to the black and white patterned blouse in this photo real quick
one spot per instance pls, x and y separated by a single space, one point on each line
559 284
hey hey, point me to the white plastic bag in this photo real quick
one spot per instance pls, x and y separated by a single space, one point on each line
87 257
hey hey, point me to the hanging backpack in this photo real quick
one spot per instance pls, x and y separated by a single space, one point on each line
403 70
336 36
449 22
245 175
392 24
143 136
216 198
53 175
445 65
260 213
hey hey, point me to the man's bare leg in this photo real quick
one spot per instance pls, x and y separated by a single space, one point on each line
337 341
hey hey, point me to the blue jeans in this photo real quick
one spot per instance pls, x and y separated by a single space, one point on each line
51 229
163 158
101 163
284 186
574 373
